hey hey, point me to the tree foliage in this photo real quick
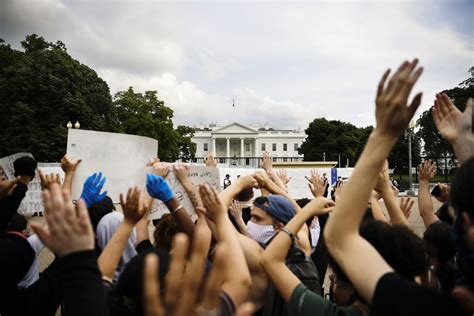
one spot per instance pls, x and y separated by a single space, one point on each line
146 115
332 140
43 88
435 146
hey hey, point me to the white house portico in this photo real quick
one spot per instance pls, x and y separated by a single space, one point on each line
240 145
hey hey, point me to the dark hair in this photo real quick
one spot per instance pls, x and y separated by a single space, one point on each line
99 210
302 203
398 245
461 196
227 175
165 231
18 223
260 200
444 215
462 200
439 242
127 297
245 195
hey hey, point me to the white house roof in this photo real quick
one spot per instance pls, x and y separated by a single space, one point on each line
234 128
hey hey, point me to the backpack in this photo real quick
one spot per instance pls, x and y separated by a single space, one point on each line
304 269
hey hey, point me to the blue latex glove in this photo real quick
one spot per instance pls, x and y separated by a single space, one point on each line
91 190
158 188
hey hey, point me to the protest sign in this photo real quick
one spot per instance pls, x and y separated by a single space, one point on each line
198 175
33 200
121 158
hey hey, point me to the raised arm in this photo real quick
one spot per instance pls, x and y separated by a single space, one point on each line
242 183
133 211
70 236
69 167
455 126
236 285
159 189
384 187
273 258
359 260
427 171
267 165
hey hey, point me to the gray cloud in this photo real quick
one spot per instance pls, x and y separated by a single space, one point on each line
283 63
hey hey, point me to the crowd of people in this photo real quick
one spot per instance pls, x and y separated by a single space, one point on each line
248 255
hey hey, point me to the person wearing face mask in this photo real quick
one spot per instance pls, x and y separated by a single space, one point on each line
269 215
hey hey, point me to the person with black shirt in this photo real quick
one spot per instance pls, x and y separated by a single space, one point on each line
70 236
375 280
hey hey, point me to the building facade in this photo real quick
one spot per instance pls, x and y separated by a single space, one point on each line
242 146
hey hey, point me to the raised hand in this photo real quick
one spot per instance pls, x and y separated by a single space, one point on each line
91 190
236 210
210 160
7 187
427 171
247 182
267 162
158 188
444 192
339 190
181 172
69 165
283 176
406 204
183 279
383 182
392 113
316 184
48 179
69 228
262 179
132 208
160 168
215 210
319 206
450 122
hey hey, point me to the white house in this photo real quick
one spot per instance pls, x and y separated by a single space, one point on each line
240 145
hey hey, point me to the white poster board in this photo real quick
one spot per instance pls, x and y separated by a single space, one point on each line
121 158
33 200
198 175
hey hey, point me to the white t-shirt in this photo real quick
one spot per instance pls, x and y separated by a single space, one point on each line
33 273
315 231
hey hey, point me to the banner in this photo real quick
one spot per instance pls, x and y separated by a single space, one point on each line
33 200
121 158
198 175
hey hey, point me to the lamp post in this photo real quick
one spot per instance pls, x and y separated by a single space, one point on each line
76 125
410 132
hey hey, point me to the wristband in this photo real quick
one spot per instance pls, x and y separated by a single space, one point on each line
289 233
176 209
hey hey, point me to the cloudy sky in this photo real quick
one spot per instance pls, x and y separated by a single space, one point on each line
284 63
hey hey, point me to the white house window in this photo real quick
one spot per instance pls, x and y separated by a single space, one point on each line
205 146
296 147
285 147
274 147
263 147
247 147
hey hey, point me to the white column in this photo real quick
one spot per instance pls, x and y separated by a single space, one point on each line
242 152
227 153
255 140
214 148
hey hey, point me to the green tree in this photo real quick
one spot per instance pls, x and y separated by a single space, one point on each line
434 145
332 140
43 88
398 158
146 115
186 147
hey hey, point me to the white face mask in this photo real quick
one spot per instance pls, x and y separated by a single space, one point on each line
260 233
